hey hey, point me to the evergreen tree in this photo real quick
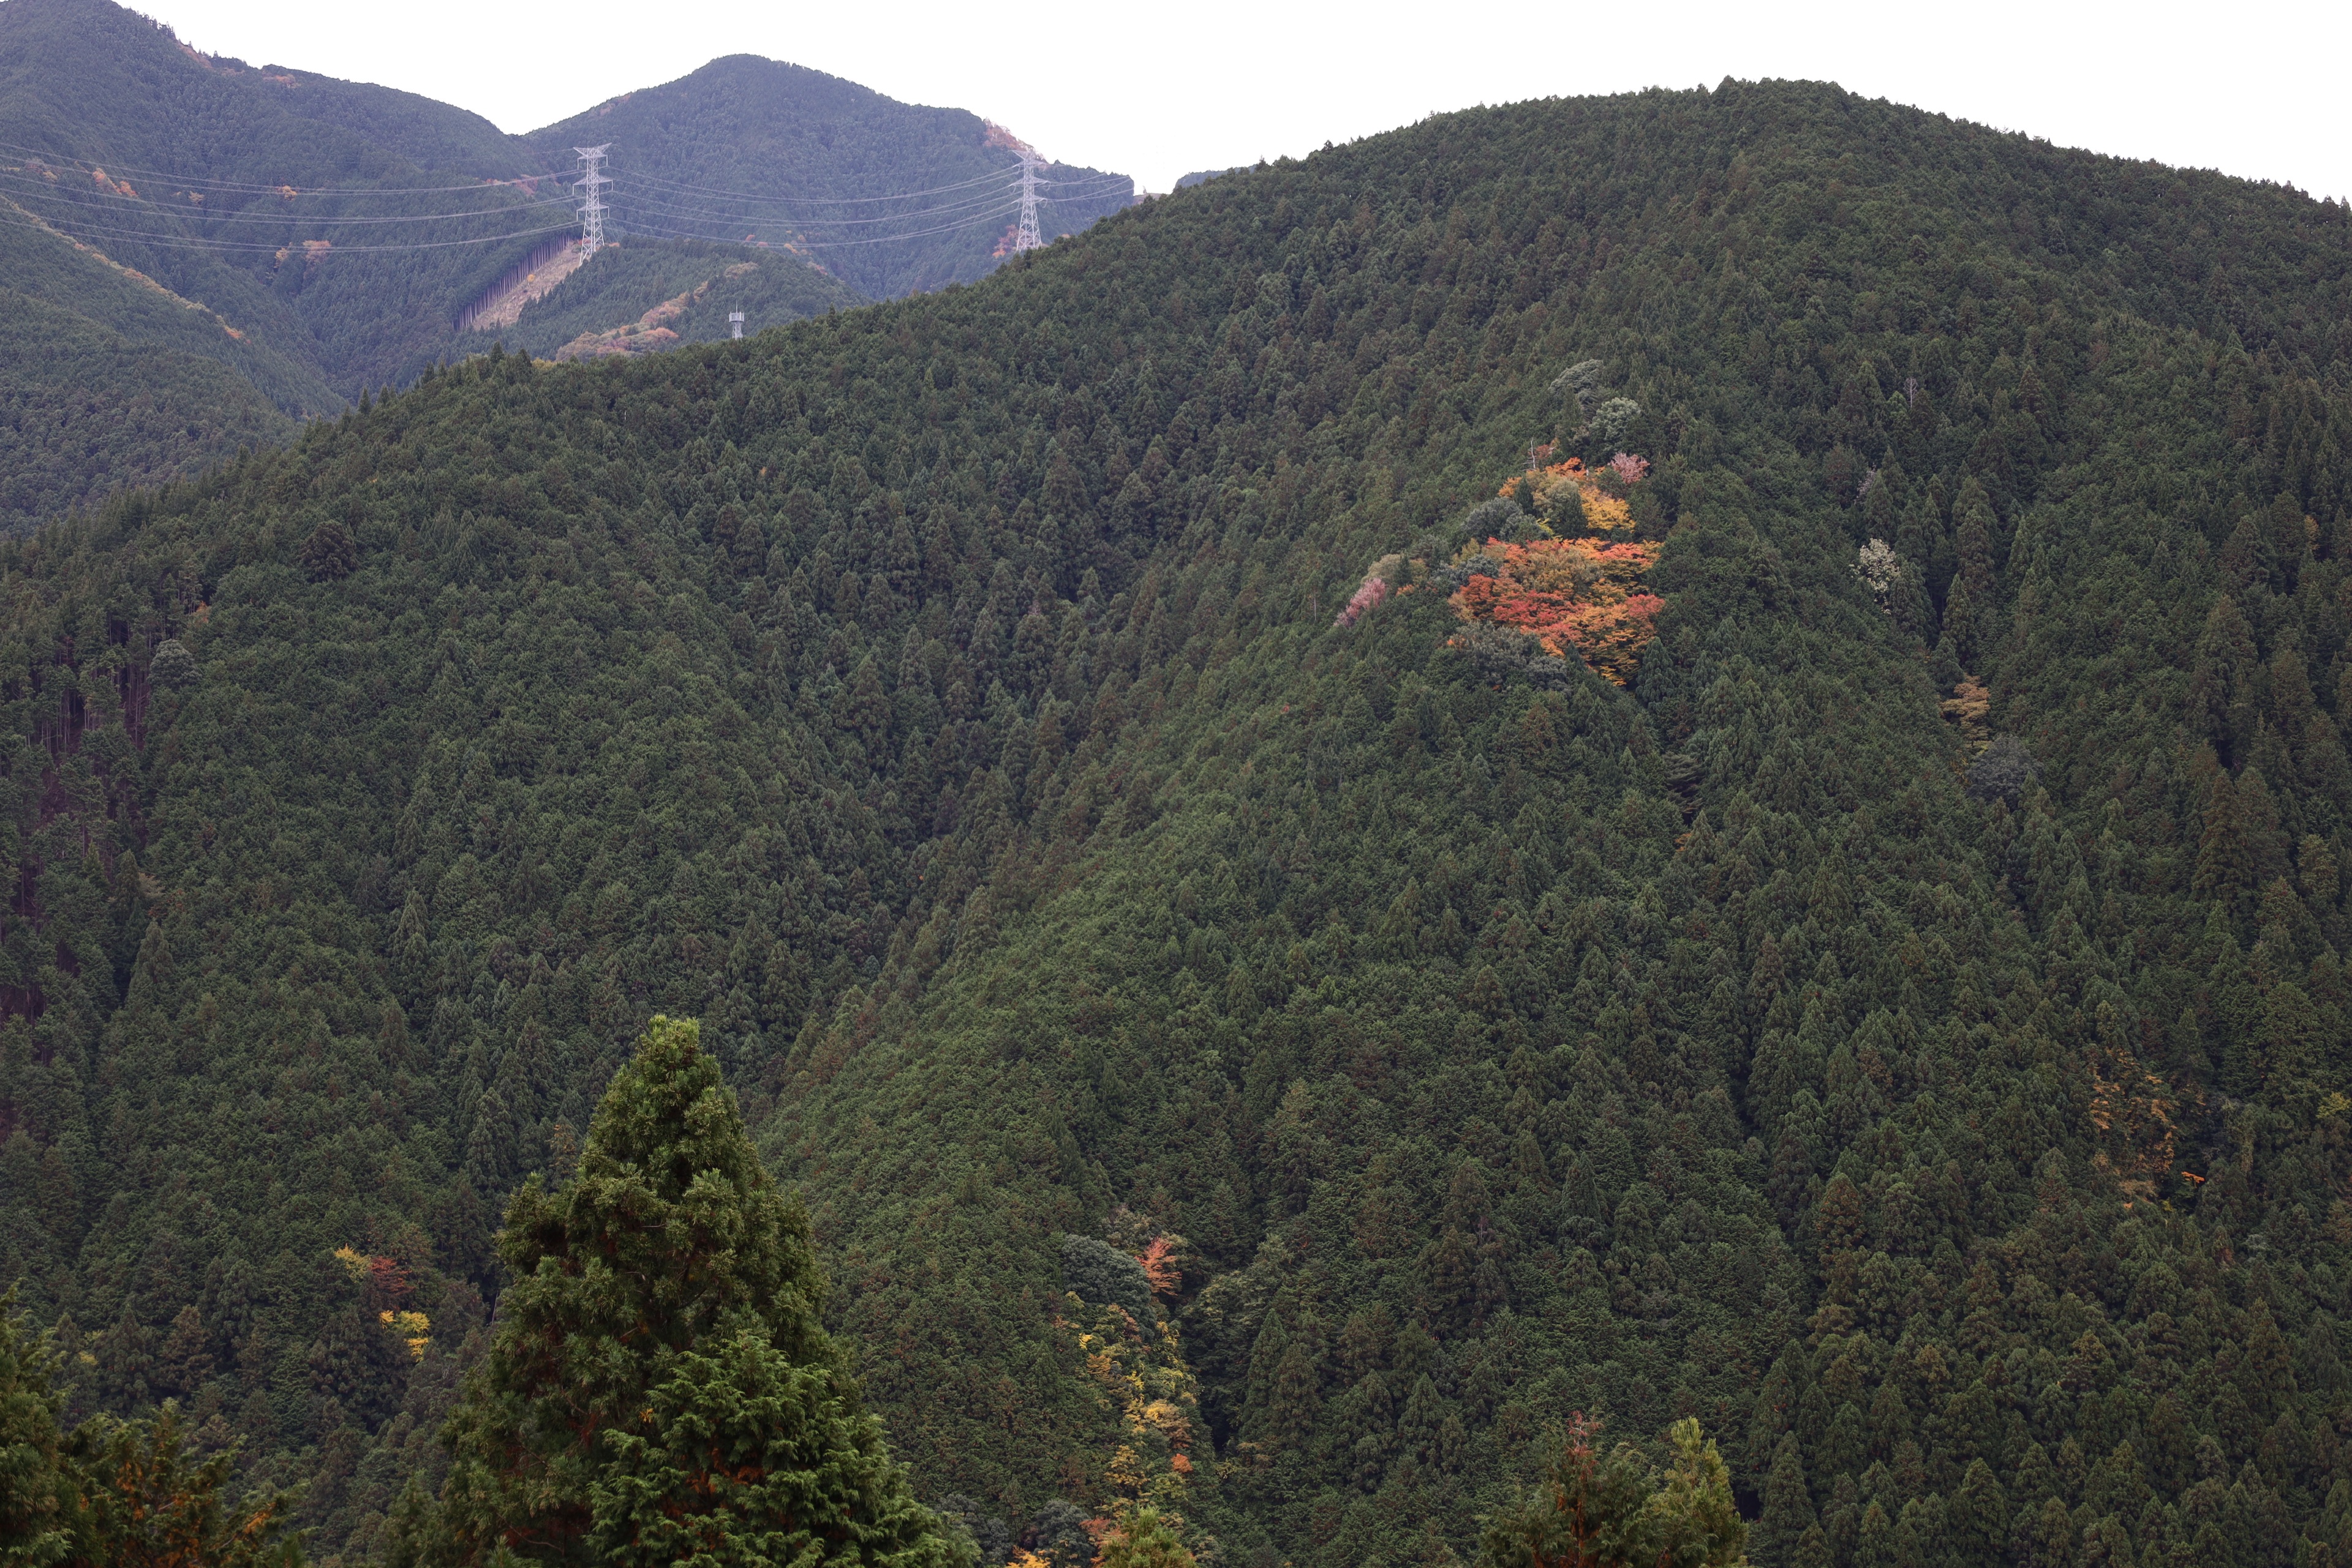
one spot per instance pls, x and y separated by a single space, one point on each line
1618 1510
1143 1540
658 1388
143 1500
36 1500
1788 1507
116 1494
1978 1518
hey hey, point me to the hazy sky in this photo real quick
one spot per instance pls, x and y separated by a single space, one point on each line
2254 89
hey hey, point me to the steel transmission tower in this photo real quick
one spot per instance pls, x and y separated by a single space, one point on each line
1027 237
591 186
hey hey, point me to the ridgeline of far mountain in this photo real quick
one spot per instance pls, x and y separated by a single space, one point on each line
715 155
332 235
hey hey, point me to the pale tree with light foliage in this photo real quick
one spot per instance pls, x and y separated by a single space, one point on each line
1880 569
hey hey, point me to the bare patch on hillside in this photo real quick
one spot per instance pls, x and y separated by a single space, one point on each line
502 306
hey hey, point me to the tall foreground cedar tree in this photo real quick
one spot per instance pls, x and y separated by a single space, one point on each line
34 1495
659 1389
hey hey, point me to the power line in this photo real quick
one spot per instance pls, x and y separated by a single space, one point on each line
161 243
886 238
1005 211
86 164
1100 184
628 200
627 203
42 192
1004 173
1007 205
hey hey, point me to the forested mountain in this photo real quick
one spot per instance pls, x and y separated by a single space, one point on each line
1291 939
315 238
759 150
234 186
136 384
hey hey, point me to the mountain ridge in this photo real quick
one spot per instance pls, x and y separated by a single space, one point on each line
268 194
797 110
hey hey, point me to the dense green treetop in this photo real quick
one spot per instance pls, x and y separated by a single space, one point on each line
658 1387
1618 1510
115 1492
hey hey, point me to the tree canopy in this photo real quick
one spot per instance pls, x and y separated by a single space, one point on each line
112 1492
658 1387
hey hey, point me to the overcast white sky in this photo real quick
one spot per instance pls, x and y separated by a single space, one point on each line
2254 89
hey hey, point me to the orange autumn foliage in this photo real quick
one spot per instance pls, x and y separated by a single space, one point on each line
1575 587
1583 593
1159 1269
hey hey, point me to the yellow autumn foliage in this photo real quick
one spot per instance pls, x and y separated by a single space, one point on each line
1552 489
414 1328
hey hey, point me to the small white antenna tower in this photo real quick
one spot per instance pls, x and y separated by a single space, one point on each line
735 319
1027 237
591 186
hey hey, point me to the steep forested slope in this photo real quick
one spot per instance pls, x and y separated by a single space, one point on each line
79 278
234 186
83 409
754 148
951 703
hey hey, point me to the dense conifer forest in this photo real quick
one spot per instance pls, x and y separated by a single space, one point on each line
1596 765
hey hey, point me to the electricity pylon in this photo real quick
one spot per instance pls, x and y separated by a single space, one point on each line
1027 237
591 186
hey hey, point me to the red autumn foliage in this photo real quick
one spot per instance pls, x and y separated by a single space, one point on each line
1569 593
1583 593
387 1279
